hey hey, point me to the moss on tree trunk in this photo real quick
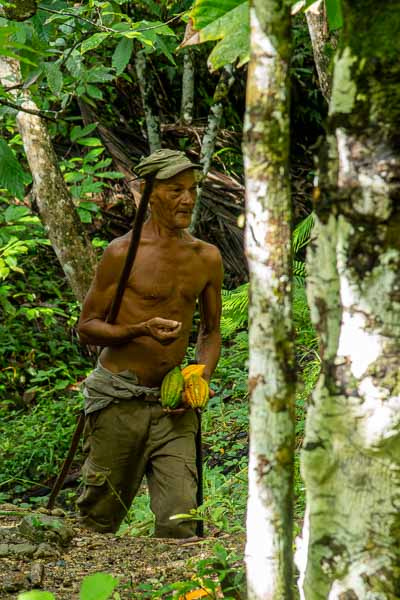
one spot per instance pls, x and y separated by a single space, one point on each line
351 455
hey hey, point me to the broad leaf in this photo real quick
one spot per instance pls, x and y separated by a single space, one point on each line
205 12
54 77
150 33
99 586
122 55
226 22
93 42
78 132
14 213
334 14
11 173
99 75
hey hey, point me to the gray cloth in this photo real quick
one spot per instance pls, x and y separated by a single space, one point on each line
102 387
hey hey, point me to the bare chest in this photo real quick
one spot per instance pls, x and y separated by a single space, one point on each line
160 275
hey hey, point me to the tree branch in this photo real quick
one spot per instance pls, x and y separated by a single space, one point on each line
30 111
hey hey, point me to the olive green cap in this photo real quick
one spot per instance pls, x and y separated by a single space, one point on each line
164 163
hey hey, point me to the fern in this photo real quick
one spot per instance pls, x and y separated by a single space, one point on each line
235 303
302 233
234 309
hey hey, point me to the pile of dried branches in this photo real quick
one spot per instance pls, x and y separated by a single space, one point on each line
222 197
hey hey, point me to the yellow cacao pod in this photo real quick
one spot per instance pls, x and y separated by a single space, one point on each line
196 391
193 370
172 388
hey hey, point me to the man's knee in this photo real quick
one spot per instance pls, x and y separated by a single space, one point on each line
102 507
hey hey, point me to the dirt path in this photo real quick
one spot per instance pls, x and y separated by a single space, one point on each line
135 561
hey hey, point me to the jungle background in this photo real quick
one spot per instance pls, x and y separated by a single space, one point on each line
80 71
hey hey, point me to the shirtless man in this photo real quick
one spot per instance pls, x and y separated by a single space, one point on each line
127 433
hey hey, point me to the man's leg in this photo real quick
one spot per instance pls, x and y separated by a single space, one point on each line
171 473
114 441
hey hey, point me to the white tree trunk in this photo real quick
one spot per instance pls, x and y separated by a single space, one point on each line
351 456
187 101
268 246
210 134
56 208
146 92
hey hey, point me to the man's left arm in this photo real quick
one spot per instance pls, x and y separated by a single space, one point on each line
208 347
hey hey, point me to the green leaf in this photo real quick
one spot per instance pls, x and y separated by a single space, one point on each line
73 177
94 153
89 141
98 587
122 55
94 92
334 14
110 175
78 132
14 213
205 12
54 77
227 21
99 75
84 215
93 42
11 173
150 33
92 206
35 595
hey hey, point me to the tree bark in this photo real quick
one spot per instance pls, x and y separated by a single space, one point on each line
351 456
268 246
56 208
146 91
210 134
321 39
187 101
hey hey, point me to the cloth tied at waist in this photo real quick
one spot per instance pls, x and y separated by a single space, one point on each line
102 387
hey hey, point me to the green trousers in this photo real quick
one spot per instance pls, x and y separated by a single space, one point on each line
124 442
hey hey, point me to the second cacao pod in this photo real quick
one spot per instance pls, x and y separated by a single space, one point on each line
196 391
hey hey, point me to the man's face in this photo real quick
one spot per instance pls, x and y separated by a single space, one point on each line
172 200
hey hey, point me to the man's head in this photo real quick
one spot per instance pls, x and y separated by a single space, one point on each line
174 186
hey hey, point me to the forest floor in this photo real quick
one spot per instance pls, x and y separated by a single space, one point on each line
141 564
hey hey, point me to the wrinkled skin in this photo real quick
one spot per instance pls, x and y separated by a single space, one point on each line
172 271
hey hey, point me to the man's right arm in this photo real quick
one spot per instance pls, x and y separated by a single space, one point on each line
93 327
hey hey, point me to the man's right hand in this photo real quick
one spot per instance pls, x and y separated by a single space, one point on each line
163 331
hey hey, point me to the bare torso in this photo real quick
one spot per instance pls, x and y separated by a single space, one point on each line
172 270
165 282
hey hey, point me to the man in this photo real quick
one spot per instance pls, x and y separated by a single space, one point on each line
127 433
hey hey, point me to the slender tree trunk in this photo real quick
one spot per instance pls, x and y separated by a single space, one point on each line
322 40
150 113
187 101
268 248
210 134
351 456
56 208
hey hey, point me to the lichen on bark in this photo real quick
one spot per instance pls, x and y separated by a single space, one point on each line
268 249
351 453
